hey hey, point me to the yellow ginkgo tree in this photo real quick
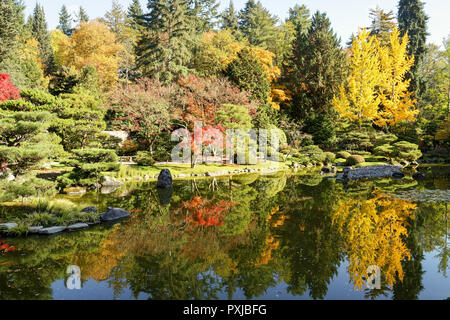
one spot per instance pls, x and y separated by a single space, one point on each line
358 99
397 105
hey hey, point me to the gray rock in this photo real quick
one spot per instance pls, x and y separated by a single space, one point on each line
109 189
77 226
110 182
379 171
8 225
35 229
165 179
10 177
90 210
113 214
52 230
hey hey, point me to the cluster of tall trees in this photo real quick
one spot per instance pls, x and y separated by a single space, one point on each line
295 69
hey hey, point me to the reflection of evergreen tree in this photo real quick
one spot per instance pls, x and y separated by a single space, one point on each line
309 242
411 286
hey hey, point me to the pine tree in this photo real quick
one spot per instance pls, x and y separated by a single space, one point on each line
299 16
163 51
413 20
41 34
9 28
230 20
65 21
204 13
258 25
81 16
116 18
317 70
134 12
382 24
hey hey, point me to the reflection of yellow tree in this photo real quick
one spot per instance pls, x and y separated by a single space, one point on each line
373 230
274 221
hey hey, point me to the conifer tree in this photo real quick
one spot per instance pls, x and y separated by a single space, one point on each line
9 28
81 16
382 24
299 16
413 20
65 21
317 70
204 13
134 12
258 25
230 20
41 34
163 52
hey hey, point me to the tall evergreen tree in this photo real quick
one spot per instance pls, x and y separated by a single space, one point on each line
230 20
116 18
299 16
413 20
204 13
316 71
163 51
134 12
65 21
258 25
41 34
81 16
382 24
9 27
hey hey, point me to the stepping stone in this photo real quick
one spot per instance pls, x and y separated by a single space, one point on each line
8 226
35 229
52 230
77 226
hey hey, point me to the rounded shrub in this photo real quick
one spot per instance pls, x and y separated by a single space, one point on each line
330 157
354 160
343 154
144 158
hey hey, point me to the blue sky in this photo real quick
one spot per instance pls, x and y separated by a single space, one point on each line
345 15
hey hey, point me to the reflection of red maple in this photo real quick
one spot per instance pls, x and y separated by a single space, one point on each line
204 213
5 247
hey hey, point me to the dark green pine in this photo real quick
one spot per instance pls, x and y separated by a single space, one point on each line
229 20
65 21
41 34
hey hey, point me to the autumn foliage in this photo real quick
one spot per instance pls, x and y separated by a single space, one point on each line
7 90
204 212
5 247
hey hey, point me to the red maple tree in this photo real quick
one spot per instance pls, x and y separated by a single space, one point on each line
7 90
206 213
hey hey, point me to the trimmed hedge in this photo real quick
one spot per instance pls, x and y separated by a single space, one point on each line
343 154
354 160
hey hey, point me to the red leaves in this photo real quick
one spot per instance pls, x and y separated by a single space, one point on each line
204 213
5 247
7 90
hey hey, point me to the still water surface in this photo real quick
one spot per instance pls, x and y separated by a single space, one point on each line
286 236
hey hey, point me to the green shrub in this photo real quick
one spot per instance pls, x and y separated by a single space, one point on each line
95 155
144 158
361 153
384 150
404 150
354 160
383 139
343 154
314 154
330 157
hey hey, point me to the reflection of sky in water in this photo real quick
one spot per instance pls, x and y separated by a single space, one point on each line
436 287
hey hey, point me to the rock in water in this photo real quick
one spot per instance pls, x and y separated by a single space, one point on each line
165 179
113 214
89 210
165 195
110 182
52 230
377 171
8 226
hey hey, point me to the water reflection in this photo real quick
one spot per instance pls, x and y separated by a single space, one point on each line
241 238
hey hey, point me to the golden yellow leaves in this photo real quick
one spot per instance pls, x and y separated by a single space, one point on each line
374 232
92 44
377 89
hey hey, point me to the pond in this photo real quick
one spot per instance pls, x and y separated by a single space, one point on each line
284 236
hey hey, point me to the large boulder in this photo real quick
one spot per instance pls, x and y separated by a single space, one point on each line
165 179
52 230
114 214
90 210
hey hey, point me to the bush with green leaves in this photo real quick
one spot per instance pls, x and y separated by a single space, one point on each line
343 155
354 160
88 167
144 158
355 140
404 150
330 157
314 154
25 186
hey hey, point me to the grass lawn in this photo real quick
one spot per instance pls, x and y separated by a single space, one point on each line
185 168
